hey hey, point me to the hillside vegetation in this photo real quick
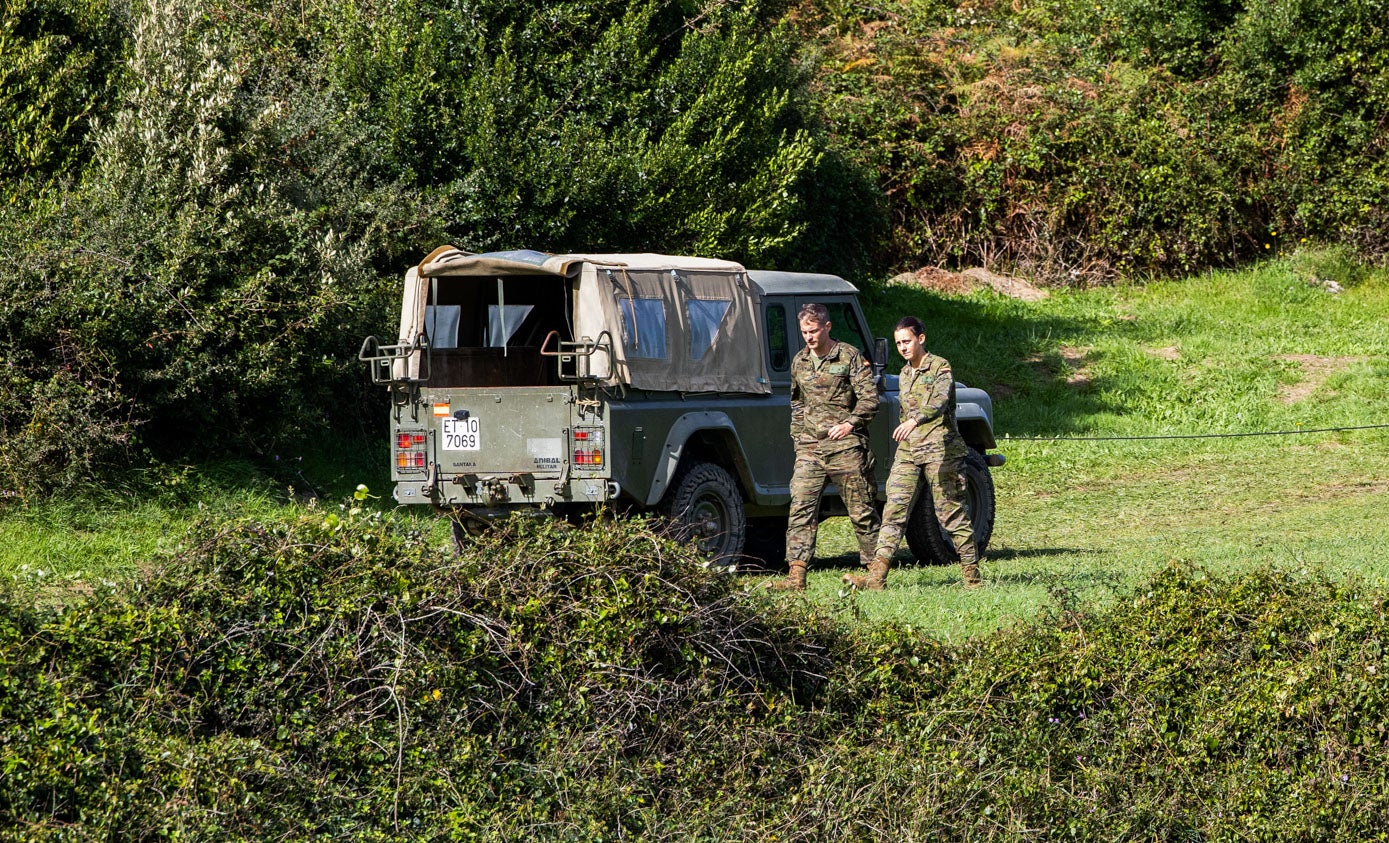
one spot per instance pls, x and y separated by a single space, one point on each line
1081 141
206 204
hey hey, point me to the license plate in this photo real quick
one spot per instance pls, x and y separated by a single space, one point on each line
462 434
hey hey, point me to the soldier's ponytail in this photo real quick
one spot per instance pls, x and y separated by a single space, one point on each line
910 323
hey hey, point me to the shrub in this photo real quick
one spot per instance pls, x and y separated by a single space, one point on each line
56 72
609 125
1077 142
338 676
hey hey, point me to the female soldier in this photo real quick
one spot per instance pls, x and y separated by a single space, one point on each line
929 445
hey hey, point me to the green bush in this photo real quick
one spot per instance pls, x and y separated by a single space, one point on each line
57 59
245 188
609 125
337 676
1078 142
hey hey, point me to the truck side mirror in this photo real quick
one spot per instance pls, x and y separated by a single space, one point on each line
879 356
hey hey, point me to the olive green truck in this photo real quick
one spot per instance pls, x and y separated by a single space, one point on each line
557 384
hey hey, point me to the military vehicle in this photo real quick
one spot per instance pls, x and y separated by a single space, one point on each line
522 381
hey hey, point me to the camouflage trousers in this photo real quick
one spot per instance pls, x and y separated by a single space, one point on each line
947 484
850 471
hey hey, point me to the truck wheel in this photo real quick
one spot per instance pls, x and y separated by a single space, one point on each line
706 508
928 541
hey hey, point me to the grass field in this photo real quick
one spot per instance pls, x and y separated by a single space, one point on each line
1078 519
1316 506
1252 352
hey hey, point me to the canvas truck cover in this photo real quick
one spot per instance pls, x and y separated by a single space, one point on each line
674 323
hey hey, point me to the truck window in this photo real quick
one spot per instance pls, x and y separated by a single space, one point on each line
441 324
778 346
644 328
845 328
705 316
488 331
503 323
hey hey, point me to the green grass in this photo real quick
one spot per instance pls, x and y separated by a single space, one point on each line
1086 520
1077 520
112 535
1300 506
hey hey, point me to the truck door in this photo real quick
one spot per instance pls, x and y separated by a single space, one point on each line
773 428
847 325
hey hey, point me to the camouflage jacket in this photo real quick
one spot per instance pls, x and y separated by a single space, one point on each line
840 390
928 395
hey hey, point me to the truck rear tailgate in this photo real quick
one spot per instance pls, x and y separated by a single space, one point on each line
516 430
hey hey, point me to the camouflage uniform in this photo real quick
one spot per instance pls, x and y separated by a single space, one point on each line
835 389
933 449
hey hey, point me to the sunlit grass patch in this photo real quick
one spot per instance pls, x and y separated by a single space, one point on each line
1109 501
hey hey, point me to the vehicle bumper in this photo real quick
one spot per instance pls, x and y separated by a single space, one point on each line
505 493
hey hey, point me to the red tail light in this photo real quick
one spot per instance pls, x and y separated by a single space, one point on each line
588 446
410 450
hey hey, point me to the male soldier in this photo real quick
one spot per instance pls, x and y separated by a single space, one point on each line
928 444
833 398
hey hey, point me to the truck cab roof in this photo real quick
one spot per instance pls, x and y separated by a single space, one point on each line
775 283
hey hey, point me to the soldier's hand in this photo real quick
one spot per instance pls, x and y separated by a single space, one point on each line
904 430
840 430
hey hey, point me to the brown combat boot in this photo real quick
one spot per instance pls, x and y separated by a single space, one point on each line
969 571
876 577
795 578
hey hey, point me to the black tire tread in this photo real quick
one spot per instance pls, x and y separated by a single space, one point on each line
708 478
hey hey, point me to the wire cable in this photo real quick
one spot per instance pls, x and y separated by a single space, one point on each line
1007 438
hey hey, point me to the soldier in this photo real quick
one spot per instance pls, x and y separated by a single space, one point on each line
929 445
833 397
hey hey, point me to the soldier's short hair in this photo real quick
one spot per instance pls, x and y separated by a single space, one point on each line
910 323
814 312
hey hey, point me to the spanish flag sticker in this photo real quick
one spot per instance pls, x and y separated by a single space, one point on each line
441 410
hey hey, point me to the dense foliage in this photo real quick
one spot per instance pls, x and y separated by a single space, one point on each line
56 63
205 206
210 226
337 677
1079 141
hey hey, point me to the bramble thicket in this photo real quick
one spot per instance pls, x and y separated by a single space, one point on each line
336 676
